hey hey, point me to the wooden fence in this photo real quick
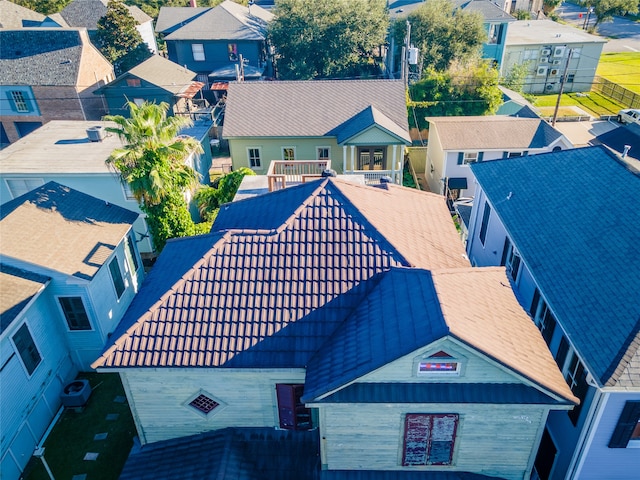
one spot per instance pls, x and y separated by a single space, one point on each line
616 92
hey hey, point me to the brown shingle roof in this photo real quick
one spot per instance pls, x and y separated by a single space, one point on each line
62 229
481 310
18 288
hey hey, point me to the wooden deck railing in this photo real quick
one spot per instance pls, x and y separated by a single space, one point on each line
283 172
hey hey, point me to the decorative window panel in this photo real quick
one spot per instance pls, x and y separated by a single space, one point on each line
27 349
429 439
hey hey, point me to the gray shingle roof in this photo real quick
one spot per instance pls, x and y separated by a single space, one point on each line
171 18
227 21
18 288
161 72
489 10
367 118
229 454
12 15
309 108
81 231
579 239
86 13
39 56
493 132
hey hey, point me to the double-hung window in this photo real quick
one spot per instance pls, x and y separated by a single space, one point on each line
75 313
116 277
288 154
513 262
197 49
429 439
543 317
575 375
323 153
253 155
27 349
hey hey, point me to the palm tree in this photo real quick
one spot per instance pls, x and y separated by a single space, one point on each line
153 158
153 162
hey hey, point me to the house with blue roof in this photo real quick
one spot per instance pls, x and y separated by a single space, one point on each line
571 252
69 268
343 311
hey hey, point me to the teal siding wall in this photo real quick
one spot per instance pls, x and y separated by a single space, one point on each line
118 93
8 105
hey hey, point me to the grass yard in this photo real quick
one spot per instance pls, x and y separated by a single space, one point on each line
592 102
73 435
621 68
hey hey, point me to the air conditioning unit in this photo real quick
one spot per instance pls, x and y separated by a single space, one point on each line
549 87
557 62
558 52
541 71
545 51
96 134
76 394
544 59
554 71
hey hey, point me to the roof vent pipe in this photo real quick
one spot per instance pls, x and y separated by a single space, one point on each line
328 173
626 150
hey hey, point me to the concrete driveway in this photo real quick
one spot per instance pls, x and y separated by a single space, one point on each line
623 34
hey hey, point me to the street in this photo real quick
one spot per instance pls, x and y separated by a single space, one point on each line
623 34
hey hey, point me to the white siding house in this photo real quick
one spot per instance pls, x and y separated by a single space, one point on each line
552 222
69 270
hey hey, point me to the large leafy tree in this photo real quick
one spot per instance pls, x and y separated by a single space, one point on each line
443 34
469 88
604 10
209 198
153 162
327 38
46 7
119 40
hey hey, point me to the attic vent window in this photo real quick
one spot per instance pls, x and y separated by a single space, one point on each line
204 404
133 82
440 362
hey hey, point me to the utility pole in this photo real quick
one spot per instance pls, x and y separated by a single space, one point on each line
563 79
405 55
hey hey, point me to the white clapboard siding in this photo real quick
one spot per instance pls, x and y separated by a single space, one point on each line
159 399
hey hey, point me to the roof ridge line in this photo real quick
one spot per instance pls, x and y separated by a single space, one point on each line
295 214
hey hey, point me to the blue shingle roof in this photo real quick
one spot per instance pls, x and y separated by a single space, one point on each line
400 315
575 217
485 393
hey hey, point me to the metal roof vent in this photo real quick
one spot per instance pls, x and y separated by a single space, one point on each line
96 134
328 173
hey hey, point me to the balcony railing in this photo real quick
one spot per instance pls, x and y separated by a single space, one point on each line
284 172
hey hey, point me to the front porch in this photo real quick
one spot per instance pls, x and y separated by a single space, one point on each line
373 163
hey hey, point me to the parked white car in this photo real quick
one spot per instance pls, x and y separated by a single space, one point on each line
629 115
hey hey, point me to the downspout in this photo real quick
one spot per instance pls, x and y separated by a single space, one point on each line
586 436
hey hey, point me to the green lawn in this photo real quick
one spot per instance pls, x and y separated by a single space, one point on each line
621 68
592 102
73 436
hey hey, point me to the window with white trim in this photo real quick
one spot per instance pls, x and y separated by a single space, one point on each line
20 186
429 439
197 49
128 193
542 316
75 313
26 348
288 153
469 157
116 277
254 157
132 255
19 102
485 223
576 377
323 153
513 262
438 363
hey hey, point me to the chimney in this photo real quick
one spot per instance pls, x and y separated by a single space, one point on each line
626 151
193 3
